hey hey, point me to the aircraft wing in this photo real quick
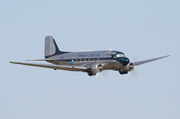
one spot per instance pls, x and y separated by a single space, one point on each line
149 60
52 66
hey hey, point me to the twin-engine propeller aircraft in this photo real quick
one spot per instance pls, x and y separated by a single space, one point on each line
91 62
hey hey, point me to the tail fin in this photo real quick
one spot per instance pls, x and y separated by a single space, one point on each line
51 47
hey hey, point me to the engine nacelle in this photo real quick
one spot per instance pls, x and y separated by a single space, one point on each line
127 68
95 68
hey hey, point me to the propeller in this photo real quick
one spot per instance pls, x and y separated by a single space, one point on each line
133 74
96 75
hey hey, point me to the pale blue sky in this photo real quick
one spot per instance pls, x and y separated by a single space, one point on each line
143 29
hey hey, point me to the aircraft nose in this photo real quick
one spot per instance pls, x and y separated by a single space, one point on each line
125 61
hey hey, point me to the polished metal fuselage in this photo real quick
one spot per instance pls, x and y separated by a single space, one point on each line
106 58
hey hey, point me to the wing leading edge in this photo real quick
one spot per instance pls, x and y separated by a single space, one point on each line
149 60
62 67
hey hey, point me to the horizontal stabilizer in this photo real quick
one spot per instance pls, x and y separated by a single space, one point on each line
62 67
42 60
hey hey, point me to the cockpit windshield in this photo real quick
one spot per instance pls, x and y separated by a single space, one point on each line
120 55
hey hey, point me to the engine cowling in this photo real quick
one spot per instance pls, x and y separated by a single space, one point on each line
95 68
127 68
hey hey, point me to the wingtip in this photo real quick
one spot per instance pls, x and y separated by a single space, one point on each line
167 55
12 62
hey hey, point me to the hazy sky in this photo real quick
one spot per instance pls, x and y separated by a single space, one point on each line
141 29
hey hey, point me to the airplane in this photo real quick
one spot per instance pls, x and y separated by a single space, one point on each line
91 62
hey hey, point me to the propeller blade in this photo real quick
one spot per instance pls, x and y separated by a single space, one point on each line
133 74
96 75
